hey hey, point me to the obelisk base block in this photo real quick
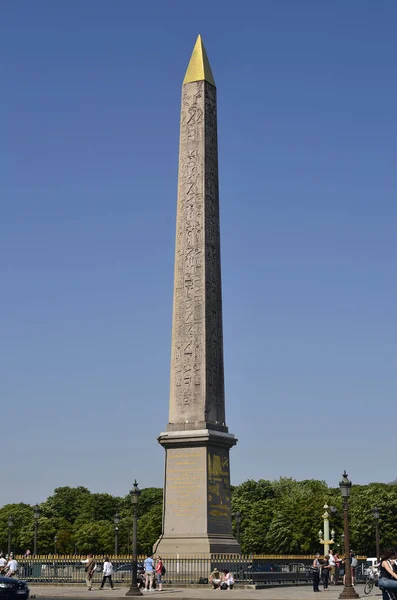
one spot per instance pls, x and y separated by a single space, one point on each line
197 516
196 546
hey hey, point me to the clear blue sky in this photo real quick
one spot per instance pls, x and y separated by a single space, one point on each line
89 147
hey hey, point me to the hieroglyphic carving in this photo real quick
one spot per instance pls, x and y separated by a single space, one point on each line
197 388
214 348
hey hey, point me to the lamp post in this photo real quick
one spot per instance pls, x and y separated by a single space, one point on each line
345 488
324 535
237 518
135 493
116 520
36 515
375 512
55 545
10 524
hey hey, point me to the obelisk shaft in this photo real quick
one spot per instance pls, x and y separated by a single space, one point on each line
197 399
196 517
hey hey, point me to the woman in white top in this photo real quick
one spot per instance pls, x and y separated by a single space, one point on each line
107 573
12 566
228 579
3 564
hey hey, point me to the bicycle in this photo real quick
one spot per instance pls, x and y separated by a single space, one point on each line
372 576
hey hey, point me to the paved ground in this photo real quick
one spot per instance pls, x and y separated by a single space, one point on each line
278 593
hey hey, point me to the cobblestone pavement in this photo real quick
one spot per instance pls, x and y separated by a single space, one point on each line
277 593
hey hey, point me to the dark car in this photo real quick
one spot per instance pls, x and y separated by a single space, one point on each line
11 589
127 568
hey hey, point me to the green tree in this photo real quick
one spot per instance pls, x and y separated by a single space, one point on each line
362 501
68 503
22 515
96 537
149 528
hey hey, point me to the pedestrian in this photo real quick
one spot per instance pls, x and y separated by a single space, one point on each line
353 566
388 578
215 579
227 580
160 571
90 568
149 573
338 563
316 572
331 560
325 572
3 564
107 573
12 566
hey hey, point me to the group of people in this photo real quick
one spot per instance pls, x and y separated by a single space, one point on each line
328 569
8 565
151 567
221 580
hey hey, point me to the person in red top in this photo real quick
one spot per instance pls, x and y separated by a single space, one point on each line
159 573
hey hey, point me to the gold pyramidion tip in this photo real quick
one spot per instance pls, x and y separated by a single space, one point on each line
199 67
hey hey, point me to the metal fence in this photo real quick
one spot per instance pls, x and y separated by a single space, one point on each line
180 571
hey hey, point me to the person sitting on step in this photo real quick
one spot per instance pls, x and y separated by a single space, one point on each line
215 579
227 580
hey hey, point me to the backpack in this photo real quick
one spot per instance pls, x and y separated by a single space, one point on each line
163 570
354 562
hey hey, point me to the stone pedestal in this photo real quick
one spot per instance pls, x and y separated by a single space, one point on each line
197 518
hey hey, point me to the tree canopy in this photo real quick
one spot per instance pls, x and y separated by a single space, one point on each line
278 517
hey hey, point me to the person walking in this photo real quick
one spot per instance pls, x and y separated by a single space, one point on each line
107 573
325 572
12 566
90 568
160 570
316 572
149 573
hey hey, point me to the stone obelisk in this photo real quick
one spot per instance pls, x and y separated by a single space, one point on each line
196 518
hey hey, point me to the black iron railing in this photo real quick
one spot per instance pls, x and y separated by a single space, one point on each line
194 570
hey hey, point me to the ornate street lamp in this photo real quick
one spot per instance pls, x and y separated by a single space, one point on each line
55 545
10 524
135 493
116 520
375 512
36 515
345 488
324 535
237 517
